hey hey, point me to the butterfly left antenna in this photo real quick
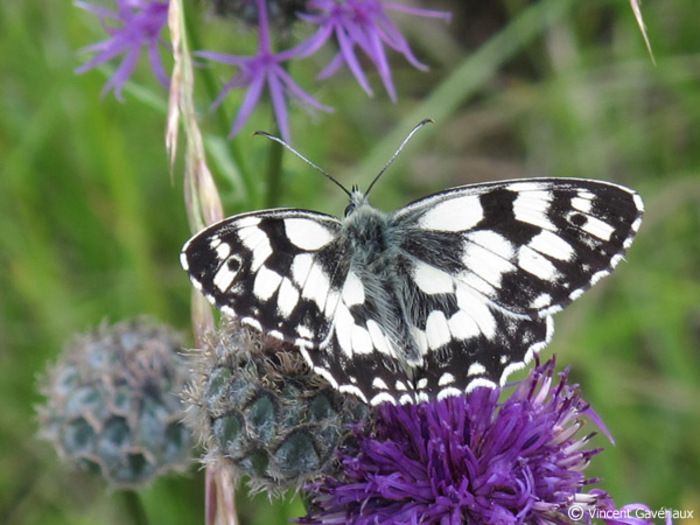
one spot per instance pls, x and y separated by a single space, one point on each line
313 165
396 153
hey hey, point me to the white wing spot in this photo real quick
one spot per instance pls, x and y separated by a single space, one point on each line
422 383
353 290
224 277
352 389
581 204
638 202
449 392
361 341
493 242
524 186
536 264
400 386
301 265
378 382
317 286
446 379
462 326
552 245
382 397
305 332
453 215
531 207
379 340
598 228
436 330
252 322
223 250
307 234
287 298
266 283
432 280
476 369
405 399
478 310
486 264
576 294
542 300
420 339
257 242
343 324
246 222
479 381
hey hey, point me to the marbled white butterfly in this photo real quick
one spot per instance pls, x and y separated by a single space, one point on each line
453 291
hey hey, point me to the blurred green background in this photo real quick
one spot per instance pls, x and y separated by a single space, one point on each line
91 222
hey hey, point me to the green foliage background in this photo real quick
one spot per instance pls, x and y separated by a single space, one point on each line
91 222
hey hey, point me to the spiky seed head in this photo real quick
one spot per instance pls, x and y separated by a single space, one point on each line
257 407
113 403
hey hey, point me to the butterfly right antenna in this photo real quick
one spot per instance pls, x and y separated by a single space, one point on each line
313 165
396 153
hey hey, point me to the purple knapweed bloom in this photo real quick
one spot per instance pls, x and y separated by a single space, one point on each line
470 459
364 24
265 69
135 24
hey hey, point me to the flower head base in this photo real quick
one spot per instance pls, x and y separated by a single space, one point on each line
265 69
135 24
282 13
364 24
113 406
468 460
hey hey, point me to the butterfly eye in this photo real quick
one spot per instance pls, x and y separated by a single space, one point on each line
349 209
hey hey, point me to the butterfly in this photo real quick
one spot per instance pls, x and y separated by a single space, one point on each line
453 291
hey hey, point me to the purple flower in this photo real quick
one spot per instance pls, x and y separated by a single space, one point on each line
135 24
471 459
265 69
364 24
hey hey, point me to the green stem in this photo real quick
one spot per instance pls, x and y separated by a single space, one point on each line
134 507
469 76
274 174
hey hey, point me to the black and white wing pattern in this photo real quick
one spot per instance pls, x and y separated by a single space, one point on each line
486 265
288 273
276 271
451 292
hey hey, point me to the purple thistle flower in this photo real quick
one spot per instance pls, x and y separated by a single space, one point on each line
471 459
134 25
364 24
264 69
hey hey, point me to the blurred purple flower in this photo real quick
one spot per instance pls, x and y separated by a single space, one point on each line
473 460
364 24
265 69
134 24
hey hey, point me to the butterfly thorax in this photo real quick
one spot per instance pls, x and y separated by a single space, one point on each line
366 230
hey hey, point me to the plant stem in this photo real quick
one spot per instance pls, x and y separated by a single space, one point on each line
134 507
211 90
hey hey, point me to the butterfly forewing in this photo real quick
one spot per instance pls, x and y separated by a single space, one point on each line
529 246
274 270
